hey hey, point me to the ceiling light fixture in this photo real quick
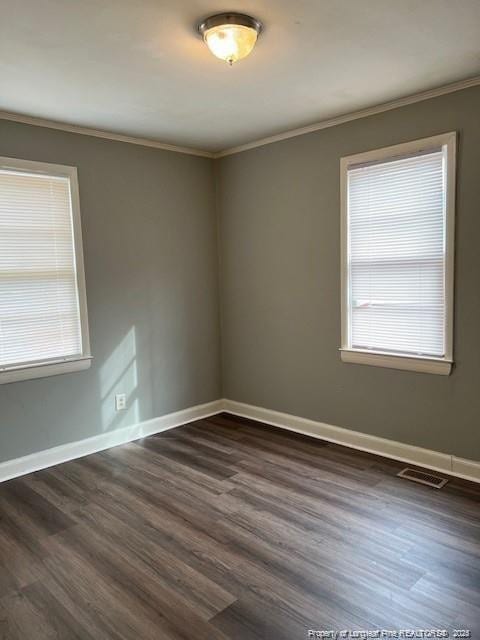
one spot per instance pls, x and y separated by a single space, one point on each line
230 36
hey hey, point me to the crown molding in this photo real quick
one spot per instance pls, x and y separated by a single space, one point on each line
354 115
292 133
97 133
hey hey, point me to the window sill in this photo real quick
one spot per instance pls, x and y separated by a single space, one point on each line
42 370
421 364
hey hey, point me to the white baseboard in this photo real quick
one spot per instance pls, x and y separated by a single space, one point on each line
73 450
443 462
450 464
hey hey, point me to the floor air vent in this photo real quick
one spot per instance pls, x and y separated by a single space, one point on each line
424 478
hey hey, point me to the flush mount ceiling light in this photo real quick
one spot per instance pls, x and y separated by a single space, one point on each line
230 36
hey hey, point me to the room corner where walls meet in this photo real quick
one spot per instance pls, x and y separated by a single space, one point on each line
211 279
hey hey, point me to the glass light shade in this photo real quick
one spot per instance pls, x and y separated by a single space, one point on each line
230 42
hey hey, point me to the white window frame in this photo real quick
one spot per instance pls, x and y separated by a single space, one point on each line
442 366
43 368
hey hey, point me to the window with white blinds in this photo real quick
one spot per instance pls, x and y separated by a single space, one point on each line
43 322
398 261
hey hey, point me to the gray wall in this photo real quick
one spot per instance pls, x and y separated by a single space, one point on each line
280 232
150 244
148 219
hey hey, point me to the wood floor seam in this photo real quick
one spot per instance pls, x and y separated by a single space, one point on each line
228 529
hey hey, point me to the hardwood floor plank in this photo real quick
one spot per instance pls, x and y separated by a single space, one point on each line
202 594
126 595
19 619
186 456
136 458
27 504
58 490
253 619
228 529
21 552
64 625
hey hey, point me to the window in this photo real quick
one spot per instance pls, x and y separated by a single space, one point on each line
397 255
43 309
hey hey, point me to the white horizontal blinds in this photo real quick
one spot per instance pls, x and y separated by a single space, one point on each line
39 308
396 233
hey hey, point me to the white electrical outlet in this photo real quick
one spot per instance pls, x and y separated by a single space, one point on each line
120 402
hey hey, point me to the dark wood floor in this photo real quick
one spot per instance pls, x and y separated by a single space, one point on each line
229 529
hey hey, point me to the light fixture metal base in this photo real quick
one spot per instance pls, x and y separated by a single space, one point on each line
229 18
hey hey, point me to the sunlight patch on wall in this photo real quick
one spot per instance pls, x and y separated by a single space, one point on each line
119 375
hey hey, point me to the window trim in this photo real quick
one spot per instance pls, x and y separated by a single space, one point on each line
442 366
43 368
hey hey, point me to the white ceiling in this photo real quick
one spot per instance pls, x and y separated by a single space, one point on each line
136 67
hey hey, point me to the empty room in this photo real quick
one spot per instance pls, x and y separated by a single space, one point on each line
239 305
